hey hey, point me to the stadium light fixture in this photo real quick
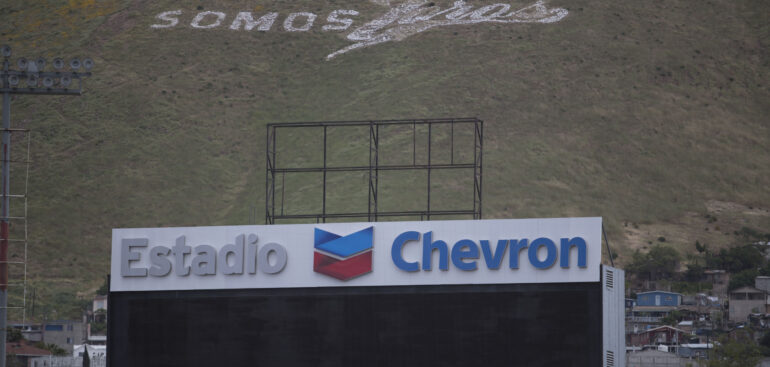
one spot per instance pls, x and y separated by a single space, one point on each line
47 82
32 80
65 81
58 63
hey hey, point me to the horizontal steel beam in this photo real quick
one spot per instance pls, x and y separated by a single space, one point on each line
367 168
379 214
378 122
56 91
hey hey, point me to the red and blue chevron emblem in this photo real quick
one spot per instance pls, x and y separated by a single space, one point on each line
343 257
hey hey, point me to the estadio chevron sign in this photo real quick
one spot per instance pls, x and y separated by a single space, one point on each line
558 250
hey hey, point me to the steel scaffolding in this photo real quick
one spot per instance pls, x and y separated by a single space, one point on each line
276 172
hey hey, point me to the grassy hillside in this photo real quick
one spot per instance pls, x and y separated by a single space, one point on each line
651 114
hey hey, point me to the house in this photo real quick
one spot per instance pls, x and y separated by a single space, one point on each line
652 307
663 335
686 325
697 350
23 351
649 314
94 351
99 308
64 333
762 283
719 280
745 301
31 332
658 298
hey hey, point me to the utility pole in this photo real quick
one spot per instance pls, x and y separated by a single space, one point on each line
38 82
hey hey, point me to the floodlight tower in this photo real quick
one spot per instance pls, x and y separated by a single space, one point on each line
38 81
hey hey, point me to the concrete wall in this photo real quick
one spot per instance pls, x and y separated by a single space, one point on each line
740 309
762 283
71 333
65 362
654 358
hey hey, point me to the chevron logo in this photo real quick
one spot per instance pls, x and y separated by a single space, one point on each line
343 257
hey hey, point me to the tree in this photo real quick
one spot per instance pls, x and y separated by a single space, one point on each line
694 272
86 357
764 343
742 279
660 262
735 353
12 335
672 318
736 259
53 348
664 259
102 291
701 248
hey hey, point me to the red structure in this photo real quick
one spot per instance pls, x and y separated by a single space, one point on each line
666 335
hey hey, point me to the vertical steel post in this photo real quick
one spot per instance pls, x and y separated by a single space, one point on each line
371 183
268 166
376 168
481 161
430 130
475 168
272 174
323 208
4 235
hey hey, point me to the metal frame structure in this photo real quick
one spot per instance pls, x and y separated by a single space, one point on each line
38 82
274 171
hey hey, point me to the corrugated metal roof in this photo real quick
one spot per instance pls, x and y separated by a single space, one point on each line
678 294
24 349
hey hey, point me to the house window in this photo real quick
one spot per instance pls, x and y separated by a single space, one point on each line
69 340
54 328
69 327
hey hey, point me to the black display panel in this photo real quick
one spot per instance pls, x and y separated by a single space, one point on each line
463 325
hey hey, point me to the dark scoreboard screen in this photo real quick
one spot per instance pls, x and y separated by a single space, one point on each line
457 325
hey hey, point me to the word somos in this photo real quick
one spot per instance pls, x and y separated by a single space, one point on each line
294 22
398 22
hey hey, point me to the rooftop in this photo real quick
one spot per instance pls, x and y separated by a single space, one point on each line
746 289
678 294
24 349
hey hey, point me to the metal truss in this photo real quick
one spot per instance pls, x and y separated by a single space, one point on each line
275 172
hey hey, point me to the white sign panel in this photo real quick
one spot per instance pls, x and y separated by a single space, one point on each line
556 250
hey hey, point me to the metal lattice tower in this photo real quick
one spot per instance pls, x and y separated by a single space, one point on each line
30 77
17 210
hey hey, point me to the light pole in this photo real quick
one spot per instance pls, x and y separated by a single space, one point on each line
36 81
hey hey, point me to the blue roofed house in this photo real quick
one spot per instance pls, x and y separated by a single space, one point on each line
652 307
658 298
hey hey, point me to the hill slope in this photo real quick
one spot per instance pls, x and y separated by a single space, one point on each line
651 114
